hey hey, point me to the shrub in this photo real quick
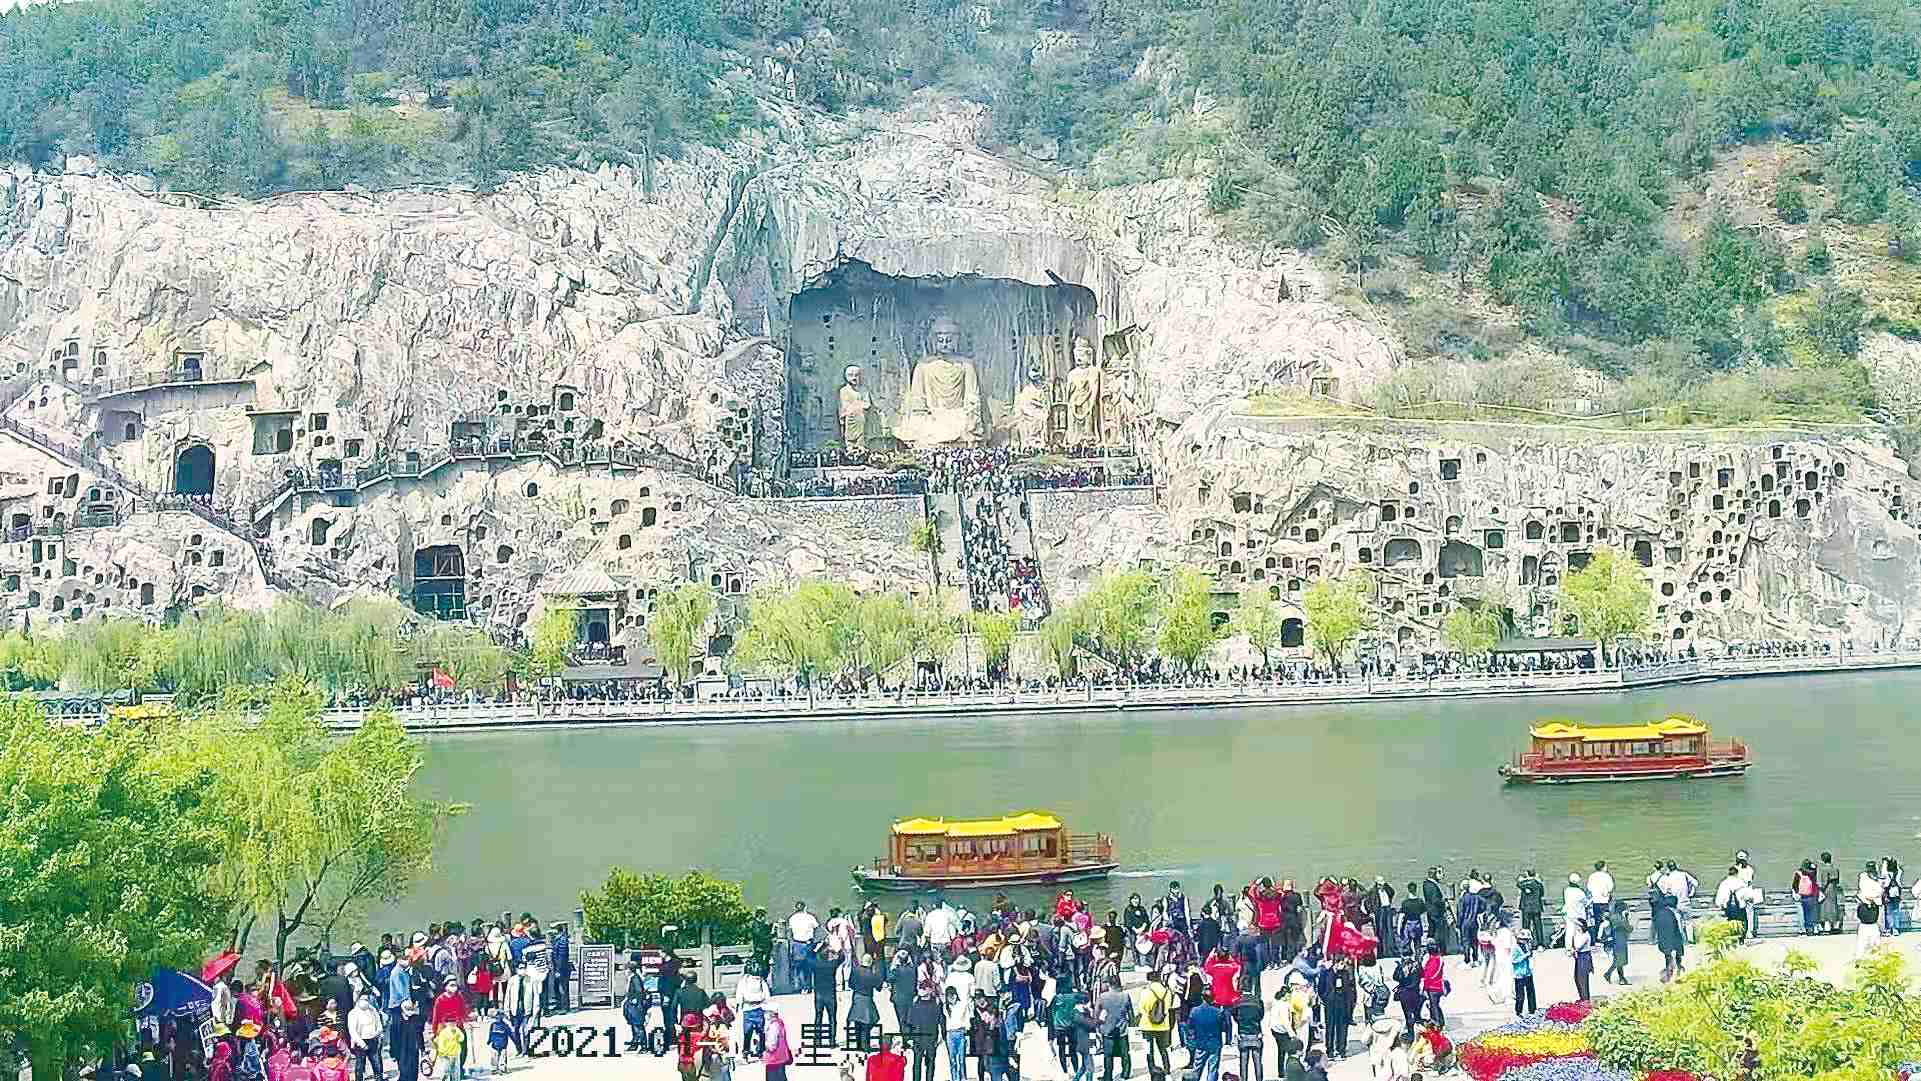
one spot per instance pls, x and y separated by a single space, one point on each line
1789 202
631 909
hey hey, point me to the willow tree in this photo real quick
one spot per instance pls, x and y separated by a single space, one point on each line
996 631
1472 631
107 655
373 637
883 634
30 661
314 828
472 659
1187 628
1060 636
1118 613
801 632
215 647
677 622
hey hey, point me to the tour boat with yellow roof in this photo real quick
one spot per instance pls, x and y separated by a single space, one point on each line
1565 752
1024 849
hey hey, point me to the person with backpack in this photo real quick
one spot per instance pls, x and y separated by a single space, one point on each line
1157 1024
1248 1040
633 1006
500 1034
1807 890
1061 1010
691 1045
779 1054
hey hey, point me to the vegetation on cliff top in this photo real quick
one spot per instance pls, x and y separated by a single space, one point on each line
1494 171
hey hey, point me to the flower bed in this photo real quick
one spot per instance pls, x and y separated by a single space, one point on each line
1549 1045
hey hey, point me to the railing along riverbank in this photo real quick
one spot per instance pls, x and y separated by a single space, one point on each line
481 716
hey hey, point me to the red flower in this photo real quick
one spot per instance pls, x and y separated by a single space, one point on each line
1570 1013
1671 1075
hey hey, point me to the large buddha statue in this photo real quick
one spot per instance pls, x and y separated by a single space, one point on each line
854 404
943 403
1031 407
1083 397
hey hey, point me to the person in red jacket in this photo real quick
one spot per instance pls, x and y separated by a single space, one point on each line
1267 920
1434 985
887 1064
1223 974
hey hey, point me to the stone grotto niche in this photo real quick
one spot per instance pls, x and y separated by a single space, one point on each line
857 316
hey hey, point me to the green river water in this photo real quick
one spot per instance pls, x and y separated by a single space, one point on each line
1206 796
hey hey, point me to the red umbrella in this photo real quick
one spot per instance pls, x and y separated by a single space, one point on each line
217 967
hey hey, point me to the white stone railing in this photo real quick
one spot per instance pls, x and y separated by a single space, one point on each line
530 714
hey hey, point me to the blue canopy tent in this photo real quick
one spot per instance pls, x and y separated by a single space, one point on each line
171 993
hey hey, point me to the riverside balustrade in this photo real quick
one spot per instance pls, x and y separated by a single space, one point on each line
1353 687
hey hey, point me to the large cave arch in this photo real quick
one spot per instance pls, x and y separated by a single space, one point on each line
193 470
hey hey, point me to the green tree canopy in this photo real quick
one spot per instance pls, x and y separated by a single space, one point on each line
677 624
630 909
1119 611
996 631
805 631
551 642
105 873
1337 612
1187 627
1609 598
313 828
1472 630
1259 618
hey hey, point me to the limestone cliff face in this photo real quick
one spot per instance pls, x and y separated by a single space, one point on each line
1743 534
566 383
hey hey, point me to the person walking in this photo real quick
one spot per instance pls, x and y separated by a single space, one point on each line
924 1018
1116 1017
1620 926
863 1013
1580 944
1434 985
1157 1009
1206 1025
1523 966
1667 931
958 1001
779 1053
364 1031
1337 1007
800 936
1407 990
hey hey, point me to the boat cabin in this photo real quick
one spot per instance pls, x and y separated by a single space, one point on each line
1674 737
1017 842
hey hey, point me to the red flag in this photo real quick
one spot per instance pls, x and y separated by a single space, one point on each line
441 680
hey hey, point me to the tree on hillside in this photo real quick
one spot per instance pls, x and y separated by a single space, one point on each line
1337 612
105 863
926 539
472 659
1259 618
678 624
884 634
1609 598
933 630
314 828
1187 629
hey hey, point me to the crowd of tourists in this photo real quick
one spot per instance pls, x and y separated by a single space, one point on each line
432 1003
998 580
876 484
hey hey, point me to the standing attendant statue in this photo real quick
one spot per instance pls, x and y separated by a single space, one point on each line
854 405
1117 406
943 403
1083 397
1031 409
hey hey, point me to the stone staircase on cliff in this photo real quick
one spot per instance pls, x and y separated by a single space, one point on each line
144 497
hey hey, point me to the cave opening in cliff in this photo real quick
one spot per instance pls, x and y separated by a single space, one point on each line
440 582
857 316
193 470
